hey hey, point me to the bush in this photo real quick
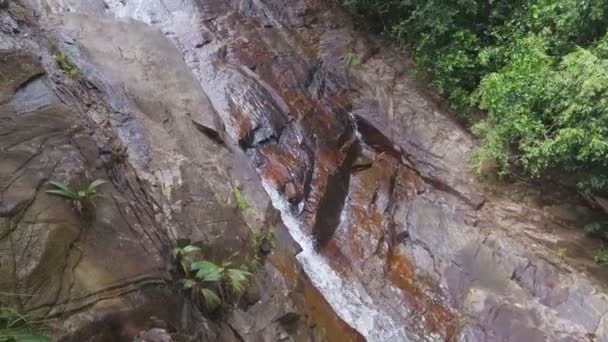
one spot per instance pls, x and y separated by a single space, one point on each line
210 285
539 69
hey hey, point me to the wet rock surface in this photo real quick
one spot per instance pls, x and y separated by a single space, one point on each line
132 115
177 100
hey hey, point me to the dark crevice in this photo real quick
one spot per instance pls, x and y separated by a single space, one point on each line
332 202
212 134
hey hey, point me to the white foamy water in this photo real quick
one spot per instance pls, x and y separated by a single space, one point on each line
347 297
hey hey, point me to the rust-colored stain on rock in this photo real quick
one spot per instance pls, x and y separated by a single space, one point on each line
437 318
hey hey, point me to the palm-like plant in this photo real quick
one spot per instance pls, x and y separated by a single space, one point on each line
237 280
210 284
182 255
78 197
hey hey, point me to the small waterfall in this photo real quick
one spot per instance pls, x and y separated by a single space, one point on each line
347 297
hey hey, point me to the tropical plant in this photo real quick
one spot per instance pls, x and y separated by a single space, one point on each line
182 255
15 327
210 285
78 197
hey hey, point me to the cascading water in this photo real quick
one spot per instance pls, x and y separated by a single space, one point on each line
347 297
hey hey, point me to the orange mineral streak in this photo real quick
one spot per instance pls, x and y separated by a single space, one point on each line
320 313
279 165
437 318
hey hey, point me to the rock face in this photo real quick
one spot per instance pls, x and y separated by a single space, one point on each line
178 101
134 115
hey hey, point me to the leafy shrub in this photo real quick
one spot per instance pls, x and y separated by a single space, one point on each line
15 327
210 285
538 68
79 197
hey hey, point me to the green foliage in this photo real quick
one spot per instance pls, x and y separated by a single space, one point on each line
381 14
183 256
538 68
64 64
15 327
262 242
602 257
78 197
262 238
241 202
209 284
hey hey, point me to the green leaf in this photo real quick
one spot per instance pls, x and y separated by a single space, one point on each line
62 190
207 271
238 280
191 249
92 188
188 283
241 202
177 252
96 183
210 299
